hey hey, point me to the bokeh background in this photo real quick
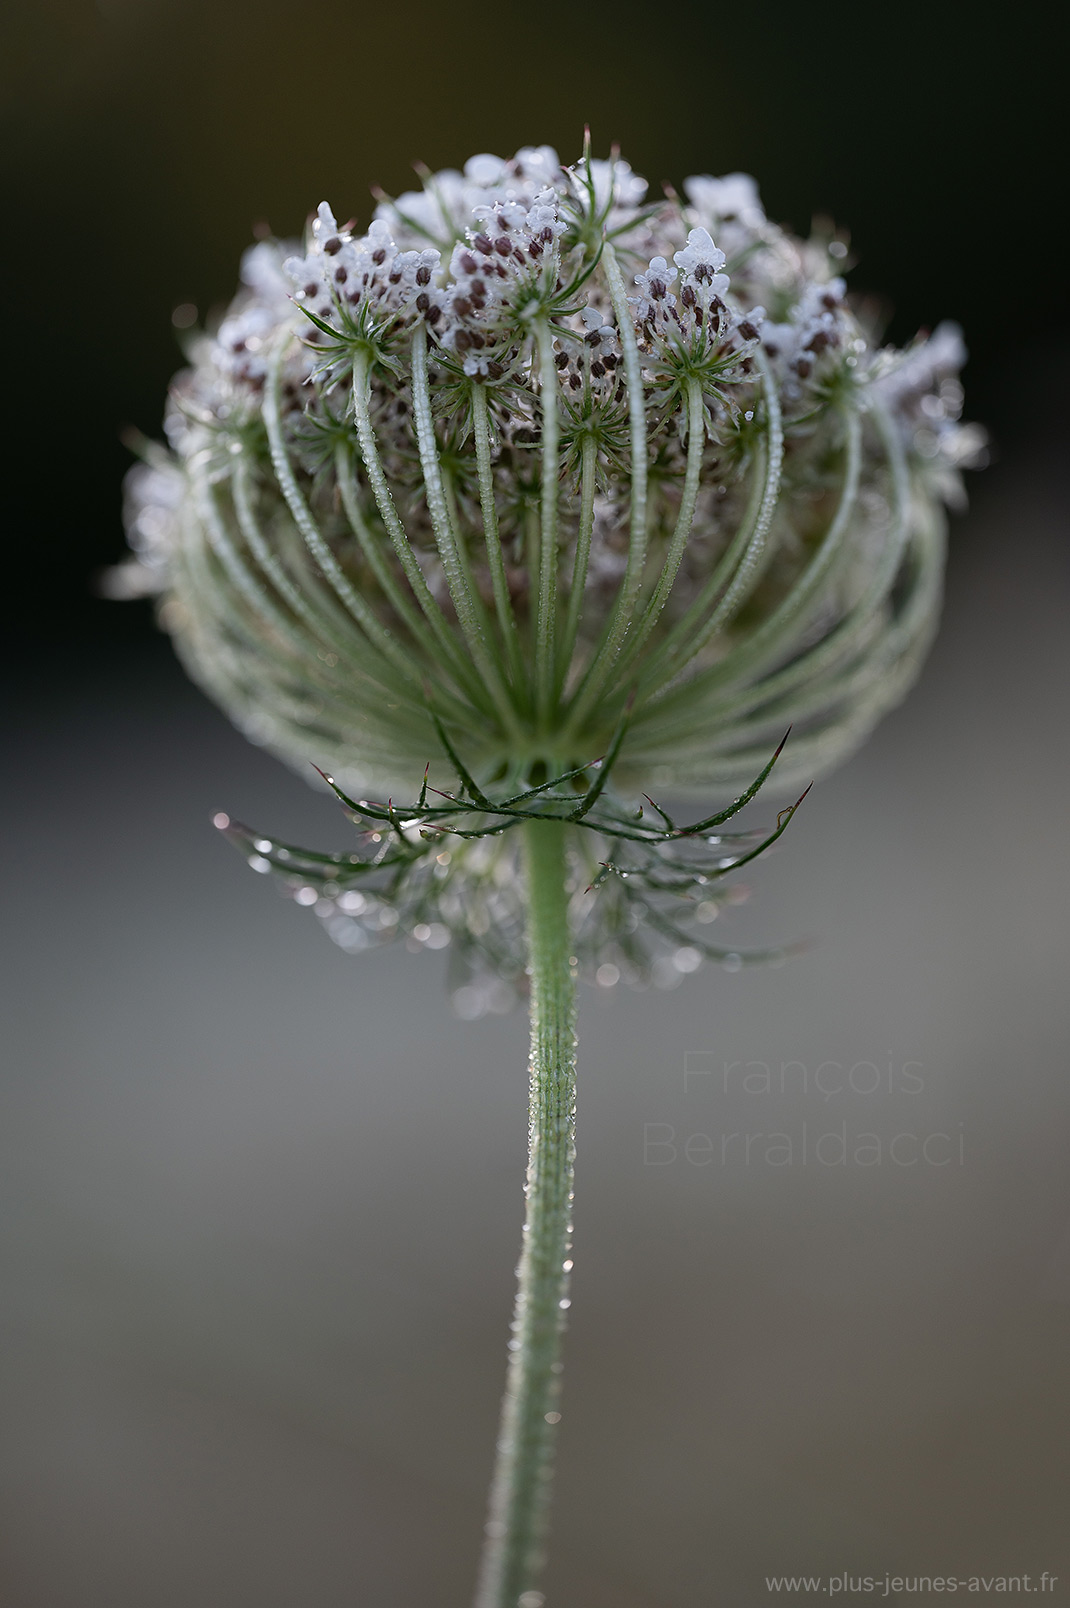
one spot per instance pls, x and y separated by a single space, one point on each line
260 1200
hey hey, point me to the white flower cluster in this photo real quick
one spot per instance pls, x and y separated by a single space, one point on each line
475 253
341 281
683 309
590 427
819 323
442 212
494 273
244 338
921 387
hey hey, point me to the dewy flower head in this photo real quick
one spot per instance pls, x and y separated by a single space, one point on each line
533 453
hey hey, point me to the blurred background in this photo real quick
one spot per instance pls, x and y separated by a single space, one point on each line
261 1200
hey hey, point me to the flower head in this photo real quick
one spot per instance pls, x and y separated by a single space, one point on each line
532 454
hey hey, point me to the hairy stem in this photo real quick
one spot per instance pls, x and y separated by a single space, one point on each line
520 1490
604 661
546 602
502 602
696 440
384 501
742 564
589 461
369 546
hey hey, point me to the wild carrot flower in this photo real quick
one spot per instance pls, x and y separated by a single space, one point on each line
536 473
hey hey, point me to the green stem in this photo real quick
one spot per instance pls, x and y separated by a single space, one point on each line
460 669
696 441
546 601
589 463
743 563
604 660
520 1491
502 602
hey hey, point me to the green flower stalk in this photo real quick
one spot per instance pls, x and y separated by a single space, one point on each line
548 493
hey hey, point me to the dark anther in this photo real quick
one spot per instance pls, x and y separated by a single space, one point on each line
462 340
561 360
610 360
312 291
379 257
468 262
818 341
462 306
483 245
748 330
574 382
657 289
423 275
340 273
494 371
503 246
687 296
434 315
598 369
423 302
332 245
